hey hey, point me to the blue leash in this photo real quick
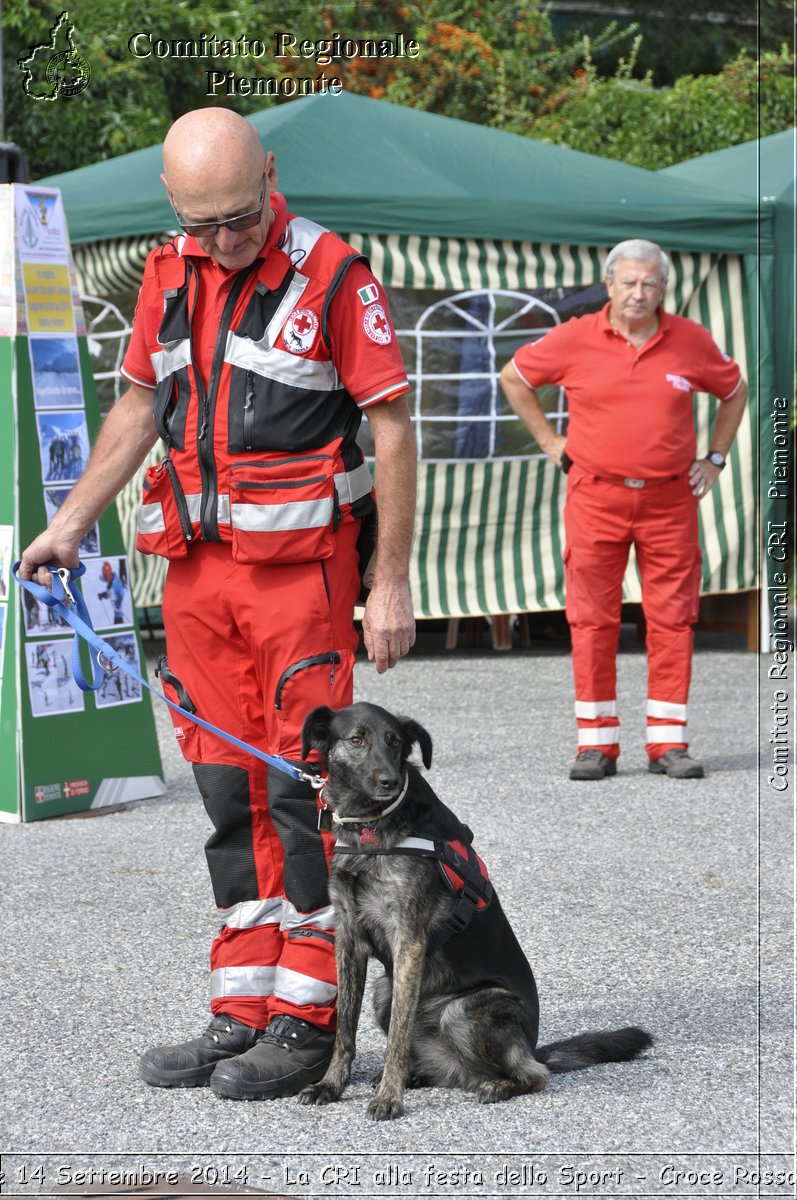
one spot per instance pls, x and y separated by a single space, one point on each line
68 603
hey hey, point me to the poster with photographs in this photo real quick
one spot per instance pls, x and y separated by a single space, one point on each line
55 366
51 688
63 445
118 687
53 499
41 620
6 558
106 590
3 617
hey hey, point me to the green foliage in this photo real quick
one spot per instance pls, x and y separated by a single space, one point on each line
625 119
503 63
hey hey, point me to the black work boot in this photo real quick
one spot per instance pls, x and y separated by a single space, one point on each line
290 1055
191 1064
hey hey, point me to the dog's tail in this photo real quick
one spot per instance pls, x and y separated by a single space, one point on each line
588 1049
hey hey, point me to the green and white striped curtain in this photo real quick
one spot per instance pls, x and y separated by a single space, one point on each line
489 534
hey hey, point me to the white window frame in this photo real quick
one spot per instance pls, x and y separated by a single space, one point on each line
493 331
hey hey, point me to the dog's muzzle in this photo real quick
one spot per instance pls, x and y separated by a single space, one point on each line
367 820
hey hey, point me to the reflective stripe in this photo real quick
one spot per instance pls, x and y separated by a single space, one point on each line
301 234
302 989
151 519
416 843
396 388
249 913
321 918
349 485
279 365
270 518
242 981
353 485
171 358
596 708
608 735
194 504
667 733
138 382
663 708
246 352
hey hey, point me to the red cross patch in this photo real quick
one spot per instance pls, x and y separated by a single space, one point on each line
300 330
376 325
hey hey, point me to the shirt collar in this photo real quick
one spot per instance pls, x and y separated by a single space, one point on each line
607 327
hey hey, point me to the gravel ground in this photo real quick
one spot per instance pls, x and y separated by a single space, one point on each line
638 900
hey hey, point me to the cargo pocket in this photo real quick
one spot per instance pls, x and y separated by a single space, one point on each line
186 732
285 510
163 526
323 678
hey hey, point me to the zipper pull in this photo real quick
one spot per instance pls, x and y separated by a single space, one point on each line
203 429
332 673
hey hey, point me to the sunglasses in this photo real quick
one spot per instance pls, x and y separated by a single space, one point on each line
238 224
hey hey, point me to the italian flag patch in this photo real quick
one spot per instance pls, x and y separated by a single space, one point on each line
368 294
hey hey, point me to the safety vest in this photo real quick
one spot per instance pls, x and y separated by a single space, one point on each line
264 455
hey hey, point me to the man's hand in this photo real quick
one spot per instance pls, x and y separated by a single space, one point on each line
702 477
555 448
388 625
48 547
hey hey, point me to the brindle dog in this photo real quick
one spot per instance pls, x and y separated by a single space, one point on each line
459 1008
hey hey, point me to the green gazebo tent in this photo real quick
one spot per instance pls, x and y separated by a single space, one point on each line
442 204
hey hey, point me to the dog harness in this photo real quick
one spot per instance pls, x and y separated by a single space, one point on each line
461 869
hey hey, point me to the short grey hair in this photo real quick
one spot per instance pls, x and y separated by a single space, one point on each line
637 250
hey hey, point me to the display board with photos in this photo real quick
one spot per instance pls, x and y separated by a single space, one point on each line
65 750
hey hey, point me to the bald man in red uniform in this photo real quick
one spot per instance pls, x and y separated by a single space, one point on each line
633 478
259 340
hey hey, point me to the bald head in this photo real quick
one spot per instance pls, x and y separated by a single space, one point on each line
215 169
211 146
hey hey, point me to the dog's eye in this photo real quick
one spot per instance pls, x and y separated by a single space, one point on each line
356 740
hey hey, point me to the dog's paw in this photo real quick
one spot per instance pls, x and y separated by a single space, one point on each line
319 1093
492 1091
385 1108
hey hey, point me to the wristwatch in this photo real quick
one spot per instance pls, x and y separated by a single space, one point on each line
716 459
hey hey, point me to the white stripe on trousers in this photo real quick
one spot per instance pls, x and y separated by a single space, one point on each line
250 913
320 918
666 710
589 709
242 981
667 733
302 989
605 735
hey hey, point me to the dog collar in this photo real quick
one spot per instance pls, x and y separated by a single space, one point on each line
370 819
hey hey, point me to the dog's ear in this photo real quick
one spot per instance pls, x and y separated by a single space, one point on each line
416 733
315 731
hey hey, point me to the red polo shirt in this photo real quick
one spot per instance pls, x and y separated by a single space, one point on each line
630 410
369 364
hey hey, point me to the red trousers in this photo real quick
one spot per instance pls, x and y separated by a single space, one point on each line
602 521
255 648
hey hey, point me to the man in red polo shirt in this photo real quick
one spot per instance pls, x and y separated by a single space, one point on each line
629 372
259 339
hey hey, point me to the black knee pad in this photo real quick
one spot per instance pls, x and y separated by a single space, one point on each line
293 809
229 850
